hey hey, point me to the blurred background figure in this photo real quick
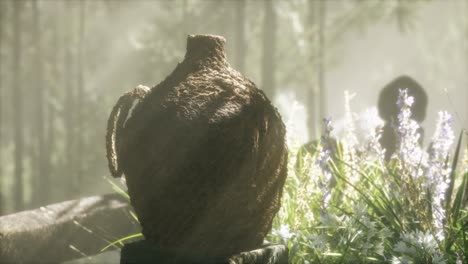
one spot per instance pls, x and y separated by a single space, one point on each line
388 110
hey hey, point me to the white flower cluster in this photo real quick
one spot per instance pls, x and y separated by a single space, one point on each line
350 141
284 232
419 246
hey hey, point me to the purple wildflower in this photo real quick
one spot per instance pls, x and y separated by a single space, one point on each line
325 151
437 179
408 148
443 137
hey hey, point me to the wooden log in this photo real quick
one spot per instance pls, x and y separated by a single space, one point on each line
66 230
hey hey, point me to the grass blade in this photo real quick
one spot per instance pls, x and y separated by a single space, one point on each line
448 194
120 241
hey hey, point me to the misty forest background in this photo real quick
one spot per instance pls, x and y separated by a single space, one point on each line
64 63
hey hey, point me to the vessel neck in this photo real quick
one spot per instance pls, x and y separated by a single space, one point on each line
203 49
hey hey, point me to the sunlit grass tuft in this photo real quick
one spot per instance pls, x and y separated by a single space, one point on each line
343 205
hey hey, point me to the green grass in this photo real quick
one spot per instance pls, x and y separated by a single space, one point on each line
377 212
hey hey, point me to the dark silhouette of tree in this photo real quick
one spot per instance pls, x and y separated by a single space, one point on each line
316 94
240 46
80 92
17 106
312 91
40 178
321 57
69 113
3 65
56 45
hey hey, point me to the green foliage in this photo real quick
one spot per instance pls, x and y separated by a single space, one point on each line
370 211
120 189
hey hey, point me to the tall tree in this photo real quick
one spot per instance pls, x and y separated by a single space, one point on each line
80 92
321 57
312 102
269 49
40 176
17 106
69 106
2 46
240 48
2 82
316 95
53 87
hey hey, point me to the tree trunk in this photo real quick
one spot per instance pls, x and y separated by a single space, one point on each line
312 102
80 93
316 96
269 50
53 93
39 175
240 48
2 81
17 106
321 58
69 107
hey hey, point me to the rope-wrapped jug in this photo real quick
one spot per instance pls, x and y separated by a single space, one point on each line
203 153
